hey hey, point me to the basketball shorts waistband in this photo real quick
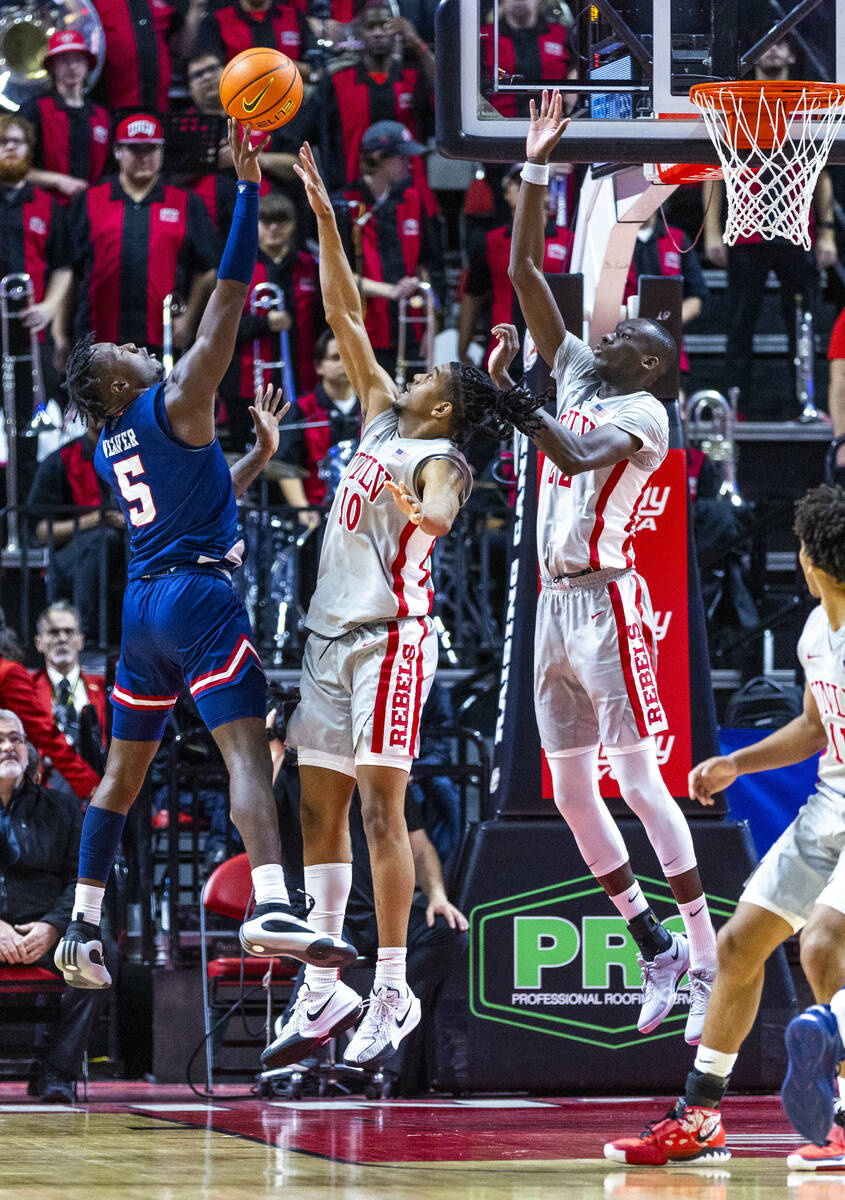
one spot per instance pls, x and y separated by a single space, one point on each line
588 579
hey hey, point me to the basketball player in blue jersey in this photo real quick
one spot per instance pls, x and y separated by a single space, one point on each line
182 622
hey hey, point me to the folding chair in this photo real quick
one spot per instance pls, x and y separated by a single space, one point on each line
233 981
44 989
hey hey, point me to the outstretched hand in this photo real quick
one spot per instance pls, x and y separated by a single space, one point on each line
315 189
245 155
405 502
546 127
502 355
267 413
712 775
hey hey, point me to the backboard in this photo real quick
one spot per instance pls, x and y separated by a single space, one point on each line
626 67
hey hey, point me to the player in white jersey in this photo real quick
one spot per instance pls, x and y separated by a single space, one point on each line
594 649
372 651
798 885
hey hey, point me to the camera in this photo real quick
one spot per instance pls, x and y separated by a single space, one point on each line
284 699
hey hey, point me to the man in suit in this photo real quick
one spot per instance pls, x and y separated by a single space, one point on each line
77 699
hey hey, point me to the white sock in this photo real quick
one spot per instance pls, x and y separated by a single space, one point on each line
390 968
841 1084
700 934
269 883
631 902
837 1006
88 902
329 885
714 1062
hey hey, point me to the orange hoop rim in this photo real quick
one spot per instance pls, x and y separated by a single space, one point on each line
749 91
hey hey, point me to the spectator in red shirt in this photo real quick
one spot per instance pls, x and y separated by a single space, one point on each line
379 87
530 47
136 239
488 255
294 272
140 35
72 134
392 241
280 25
17 693
836 392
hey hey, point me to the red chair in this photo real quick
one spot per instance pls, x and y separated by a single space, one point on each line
234 981
36 984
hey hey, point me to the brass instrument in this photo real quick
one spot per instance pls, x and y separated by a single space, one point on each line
265 297
416 310
17 294
716 436
25 29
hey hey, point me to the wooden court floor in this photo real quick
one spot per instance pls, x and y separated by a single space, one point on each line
137 1141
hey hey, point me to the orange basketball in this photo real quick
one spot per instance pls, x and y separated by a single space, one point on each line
262 87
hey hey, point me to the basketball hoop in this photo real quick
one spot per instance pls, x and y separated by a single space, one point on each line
772 140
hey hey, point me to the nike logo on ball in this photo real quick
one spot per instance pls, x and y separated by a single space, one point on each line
249 105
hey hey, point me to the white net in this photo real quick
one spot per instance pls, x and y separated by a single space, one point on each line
772 146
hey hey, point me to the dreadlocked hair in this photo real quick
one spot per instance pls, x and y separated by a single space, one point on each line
81 384
480 408
820 524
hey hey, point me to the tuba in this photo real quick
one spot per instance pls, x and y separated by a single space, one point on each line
25 30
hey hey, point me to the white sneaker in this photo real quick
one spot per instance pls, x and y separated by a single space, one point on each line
274 928
316 1017
79 956
700 986
389 1018
661 977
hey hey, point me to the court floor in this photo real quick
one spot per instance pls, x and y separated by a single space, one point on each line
162 1143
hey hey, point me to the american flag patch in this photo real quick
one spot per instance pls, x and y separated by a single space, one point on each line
399 454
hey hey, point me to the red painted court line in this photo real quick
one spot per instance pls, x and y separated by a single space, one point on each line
437 1130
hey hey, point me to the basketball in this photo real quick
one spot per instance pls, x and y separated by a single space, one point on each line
262 87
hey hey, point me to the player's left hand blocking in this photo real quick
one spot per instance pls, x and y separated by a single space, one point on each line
244 155
405 502
267 413
502 354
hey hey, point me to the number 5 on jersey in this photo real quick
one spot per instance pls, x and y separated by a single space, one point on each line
137 495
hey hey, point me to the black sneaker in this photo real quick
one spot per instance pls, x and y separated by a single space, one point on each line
58 1087
275 929
79 956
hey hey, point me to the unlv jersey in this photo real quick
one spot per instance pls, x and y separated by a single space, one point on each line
821 653
178 500
588 520
375 563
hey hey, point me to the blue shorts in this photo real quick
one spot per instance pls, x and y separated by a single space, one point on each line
187 628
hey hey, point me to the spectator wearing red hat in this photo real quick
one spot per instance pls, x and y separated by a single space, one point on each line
72 134
135 239
233 28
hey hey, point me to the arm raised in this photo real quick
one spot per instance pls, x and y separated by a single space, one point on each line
189 392
372 385
525 271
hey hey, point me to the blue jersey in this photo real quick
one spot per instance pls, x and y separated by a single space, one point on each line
178 500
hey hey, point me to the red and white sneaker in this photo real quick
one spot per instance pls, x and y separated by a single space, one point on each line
686 1135
829 1157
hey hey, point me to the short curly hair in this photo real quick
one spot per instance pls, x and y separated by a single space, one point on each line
820 524
82 382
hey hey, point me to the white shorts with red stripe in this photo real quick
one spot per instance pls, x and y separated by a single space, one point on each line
595 662
363 695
